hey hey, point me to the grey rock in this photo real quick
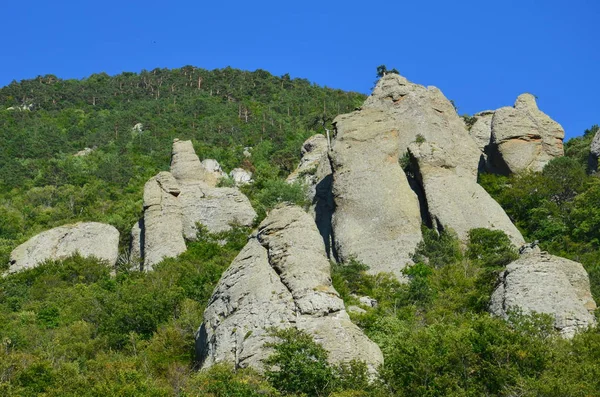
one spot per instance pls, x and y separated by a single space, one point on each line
82 153
356 310
377 218
595 152
186 166
543 283
88 239
240 176
136 246
426 113
214 169
280 279
163 227
313 150
368 301
524 138
216 208
455 200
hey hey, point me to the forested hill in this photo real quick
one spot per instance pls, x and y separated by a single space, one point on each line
43 185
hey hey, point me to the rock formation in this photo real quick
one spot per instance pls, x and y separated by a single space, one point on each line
176 202
424 113
163 226
454 199
524 138
280 279
377 219
481 132
314 171
543 283
594 152
136 245
240 176
214 169
88 239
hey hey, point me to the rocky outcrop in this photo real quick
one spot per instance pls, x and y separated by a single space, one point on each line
524 138
163 227
313 150
240 176
424 114
456 200
214 169
543 283
280 279
186 166
481 132
594 152
215 208
88 239
136 245
377 218
314 172
176 202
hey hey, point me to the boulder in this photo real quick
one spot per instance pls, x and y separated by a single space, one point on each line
524 138
313 149
481 132
280 279
85 152
543 283
240 176
88 239
163 227
214 169
455 200
377 220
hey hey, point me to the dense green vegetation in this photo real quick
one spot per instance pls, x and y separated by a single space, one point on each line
43 185
73 329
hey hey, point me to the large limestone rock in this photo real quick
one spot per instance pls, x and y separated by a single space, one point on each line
280 279
543 283
216 208
314 171
524 138
88 239
214 170
425 113
377 218
455 200
163 227
136 245
186 166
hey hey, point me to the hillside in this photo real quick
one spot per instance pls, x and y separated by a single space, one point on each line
412 256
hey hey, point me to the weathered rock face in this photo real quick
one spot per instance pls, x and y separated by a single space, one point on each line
481 132
377 218
240 176
425 113
216 208
186 166
163 228
314 171
136 247
595 152
524 138
176 202
455 200
543 283
313 150
280 279
214 170
89 239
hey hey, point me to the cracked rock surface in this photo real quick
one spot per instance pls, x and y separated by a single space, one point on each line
89 239
543 283
280 279
525 138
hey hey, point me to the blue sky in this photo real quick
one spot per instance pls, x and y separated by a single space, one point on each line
481 54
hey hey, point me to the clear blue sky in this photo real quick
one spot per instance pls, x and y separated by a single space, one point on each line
481 54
